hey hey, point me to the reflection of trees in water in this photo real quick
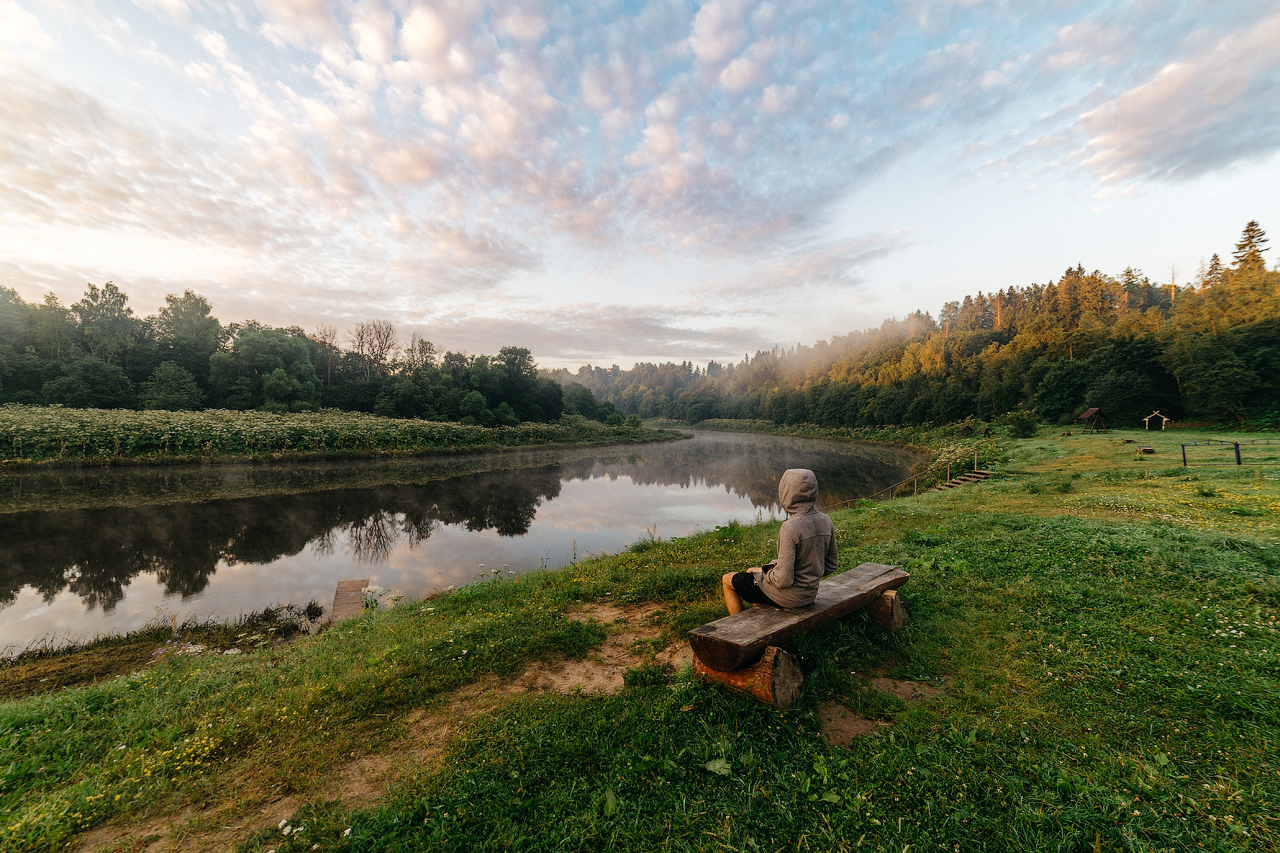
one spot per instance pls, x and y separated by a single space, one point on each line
751 468
97 552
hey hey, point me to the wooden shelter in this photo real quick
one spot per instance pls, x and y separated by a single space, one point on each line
1093 418
1164 419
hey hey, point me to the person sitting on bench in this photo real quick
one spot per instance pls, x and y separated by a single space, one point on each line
806 552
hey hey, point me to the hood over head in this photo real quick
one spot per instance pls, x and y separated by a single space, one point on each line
797 490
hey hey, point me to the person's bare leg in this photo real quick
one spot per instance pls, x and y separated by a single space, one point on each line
732 600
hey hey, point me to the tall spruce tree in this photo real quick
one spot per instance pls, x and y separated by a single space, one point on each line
1253 242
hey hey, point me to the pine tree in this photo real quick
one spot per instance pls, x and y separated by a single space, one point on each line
1248 253
1213 276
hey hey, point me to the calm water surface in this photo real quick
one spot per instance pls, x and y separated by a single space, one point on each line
88 552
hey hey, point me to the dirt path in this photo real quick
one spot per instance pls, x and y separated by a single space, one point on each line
361 781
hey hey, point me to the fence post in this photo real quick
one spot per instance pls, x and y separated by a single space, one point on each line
948 472
1237 453
915 486
1184 456
975 460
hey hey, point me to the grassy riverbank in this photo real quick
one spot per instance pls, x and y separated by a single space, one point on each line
52 435
926 436
1095 631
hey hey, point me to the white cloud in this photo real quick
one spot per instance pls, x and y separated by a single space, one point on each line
373 31
204 74
423 36
718 31
776 99
214 43
1205 111
522 25
750 69
441 150
298 22
21 29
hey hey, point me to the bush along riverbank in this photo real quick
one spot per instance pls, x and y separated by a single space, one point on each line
1090 664
53 434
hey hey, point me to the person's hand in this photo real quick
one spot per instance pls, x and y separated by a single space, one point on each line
756 570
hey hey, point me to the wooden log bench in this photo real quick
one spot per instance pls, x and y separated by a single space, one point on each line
741 651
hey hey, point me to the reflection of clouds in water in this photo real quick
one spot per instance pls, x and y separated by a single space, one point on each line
224 557
591 505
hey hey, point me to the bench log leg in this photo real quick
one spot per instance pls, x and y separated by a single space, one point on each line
889 612
776 679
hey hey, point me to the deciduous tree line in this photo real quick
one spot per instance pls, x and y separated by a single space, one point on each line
97 354
1207 349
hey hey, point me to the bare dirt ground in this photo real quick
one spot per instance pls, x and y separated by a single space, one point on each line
840 725
363 780
601 672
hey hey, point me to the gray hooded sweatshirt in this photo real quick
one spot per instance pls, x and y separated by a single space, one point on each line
806 543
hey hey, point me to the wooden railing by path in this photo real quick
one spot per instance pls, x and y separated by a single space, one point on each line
928 475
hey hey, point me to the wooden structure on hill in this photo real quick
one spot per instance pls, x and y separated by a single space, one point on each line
1164 419
1093 419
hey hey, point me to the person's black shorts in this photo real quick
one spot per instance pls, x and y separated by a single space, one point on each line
744 584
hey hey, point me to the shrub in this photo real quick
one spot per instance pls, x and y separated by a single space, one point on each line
171 388
1022 424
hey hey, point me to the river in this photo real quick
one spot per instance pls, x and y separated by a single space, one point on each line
91 551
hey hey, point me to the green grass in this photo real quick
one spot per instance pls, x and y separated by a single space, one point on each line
1099 697
52 434
1111 684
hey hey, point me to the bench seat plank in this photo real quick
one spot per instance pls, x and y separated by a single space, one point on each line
734 641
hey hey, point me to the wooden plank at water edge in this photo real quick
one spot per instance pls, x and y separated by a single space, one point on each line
729 643
348 600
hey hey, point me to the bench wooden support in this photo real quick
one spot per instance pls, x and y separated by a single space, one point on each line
888 611
776 679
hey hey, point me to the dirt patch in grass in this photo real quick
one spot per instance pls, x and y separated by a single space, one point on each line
907 691
632 630
840 725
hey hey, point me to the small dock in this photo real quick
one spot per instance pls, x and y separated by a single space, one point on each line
348 600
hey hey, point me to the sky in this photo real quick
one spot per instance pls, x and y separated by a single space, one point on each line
616 181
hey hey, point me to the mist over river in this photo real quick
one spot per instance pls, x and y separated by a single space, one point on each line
91 551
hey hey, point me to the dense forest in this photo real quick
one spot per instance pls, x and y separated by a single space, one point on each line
1208 350
97 354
